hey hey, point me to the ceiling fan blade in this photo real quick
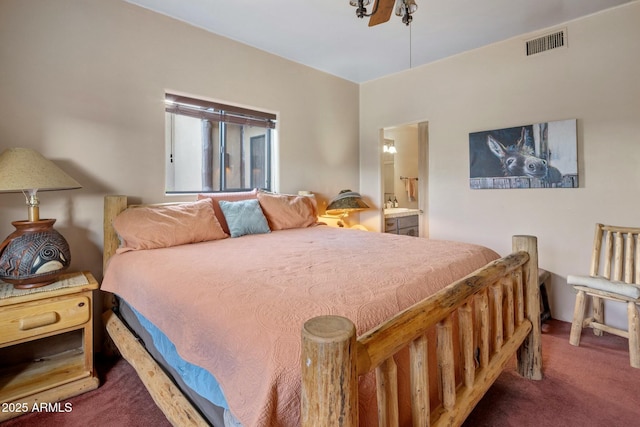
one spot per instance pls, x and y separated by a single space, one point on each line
382 13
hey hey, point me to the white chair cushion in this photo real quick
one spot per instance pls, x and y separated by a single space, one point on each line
600 283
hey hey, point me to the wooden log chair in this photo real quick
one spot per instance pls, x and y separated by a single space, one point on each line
615 276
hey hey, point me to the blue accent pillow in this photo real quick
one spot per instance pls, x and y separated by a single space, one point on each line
244 217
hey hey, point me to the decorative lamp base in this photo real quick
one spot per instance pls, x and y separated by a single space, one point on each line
34 255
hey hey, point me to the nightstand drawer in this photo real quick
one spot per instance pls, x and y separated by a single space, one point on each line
40 317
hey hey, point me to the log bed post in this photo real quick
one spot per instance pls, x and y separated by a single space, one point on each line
113 205
529 355
329 363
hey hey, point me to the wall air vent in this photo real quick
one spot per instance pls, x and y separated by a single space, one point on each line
547 42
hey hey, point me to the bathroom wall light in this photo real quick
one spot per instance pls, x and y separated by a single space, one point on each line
389 147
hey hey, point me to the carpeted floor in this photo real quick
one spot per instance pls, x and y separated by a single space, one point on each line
121 400
587 386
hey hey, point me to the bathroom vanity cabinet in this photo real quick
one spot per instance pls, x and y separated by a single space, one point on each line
406 225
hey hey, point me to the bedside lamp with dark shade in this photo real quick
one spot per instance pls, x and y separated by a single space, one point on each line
34 254
344 203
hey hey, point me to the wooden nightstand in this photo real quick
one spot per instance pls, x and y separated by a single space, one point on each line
46 344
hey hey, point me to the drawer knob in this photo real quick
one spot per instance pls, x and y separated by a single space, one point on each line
38 320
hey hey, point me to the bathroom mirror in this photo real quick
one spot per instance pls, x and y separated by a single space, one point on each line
388 174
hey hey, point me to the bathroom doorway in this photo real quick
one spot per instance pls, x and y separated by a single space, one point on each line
405 170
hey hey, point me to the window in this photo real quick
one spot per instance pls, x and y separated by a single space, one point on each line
216 147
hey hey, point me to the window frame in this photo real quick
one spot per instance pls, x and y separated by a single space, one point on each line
224 115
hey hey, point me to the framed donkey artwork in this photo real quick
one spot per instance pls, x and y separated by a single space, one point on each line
541 155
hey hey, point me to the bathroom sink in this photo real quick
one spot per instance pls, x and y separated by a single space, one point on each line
391 211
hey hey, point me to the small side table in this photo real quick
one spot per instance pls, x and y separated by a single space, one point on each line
46 344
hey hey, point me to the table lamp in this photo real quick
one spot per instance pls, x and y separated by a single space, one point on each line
344 203
34 254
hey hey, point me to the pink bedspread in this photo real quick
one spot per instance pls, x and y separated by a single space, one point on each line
236 306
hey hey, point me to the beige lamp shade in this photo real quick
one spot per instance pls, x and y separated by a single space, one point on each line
26 169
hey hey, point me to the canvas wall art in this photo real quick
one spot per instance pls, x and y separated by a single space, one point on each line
541 155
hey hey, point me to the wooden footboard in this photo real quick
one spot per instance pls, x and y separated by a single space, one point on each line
497 310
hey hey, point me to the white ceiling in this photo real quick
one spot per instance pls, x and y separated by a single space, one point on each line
327 35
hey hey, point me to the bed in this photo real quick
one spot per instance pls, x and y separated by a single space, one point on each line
362 329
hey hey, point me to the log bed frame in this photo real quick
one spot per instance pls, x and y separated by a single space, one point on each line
498 314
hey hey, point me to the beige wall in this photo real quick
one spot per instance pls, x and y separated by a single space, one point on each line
595 80
83 82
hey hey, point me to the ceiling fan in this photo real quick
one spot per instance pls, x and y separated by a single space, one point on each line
382 9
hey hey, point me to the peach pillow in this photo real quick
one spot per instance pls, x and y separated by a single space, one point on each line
285 211
229 197
151 227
